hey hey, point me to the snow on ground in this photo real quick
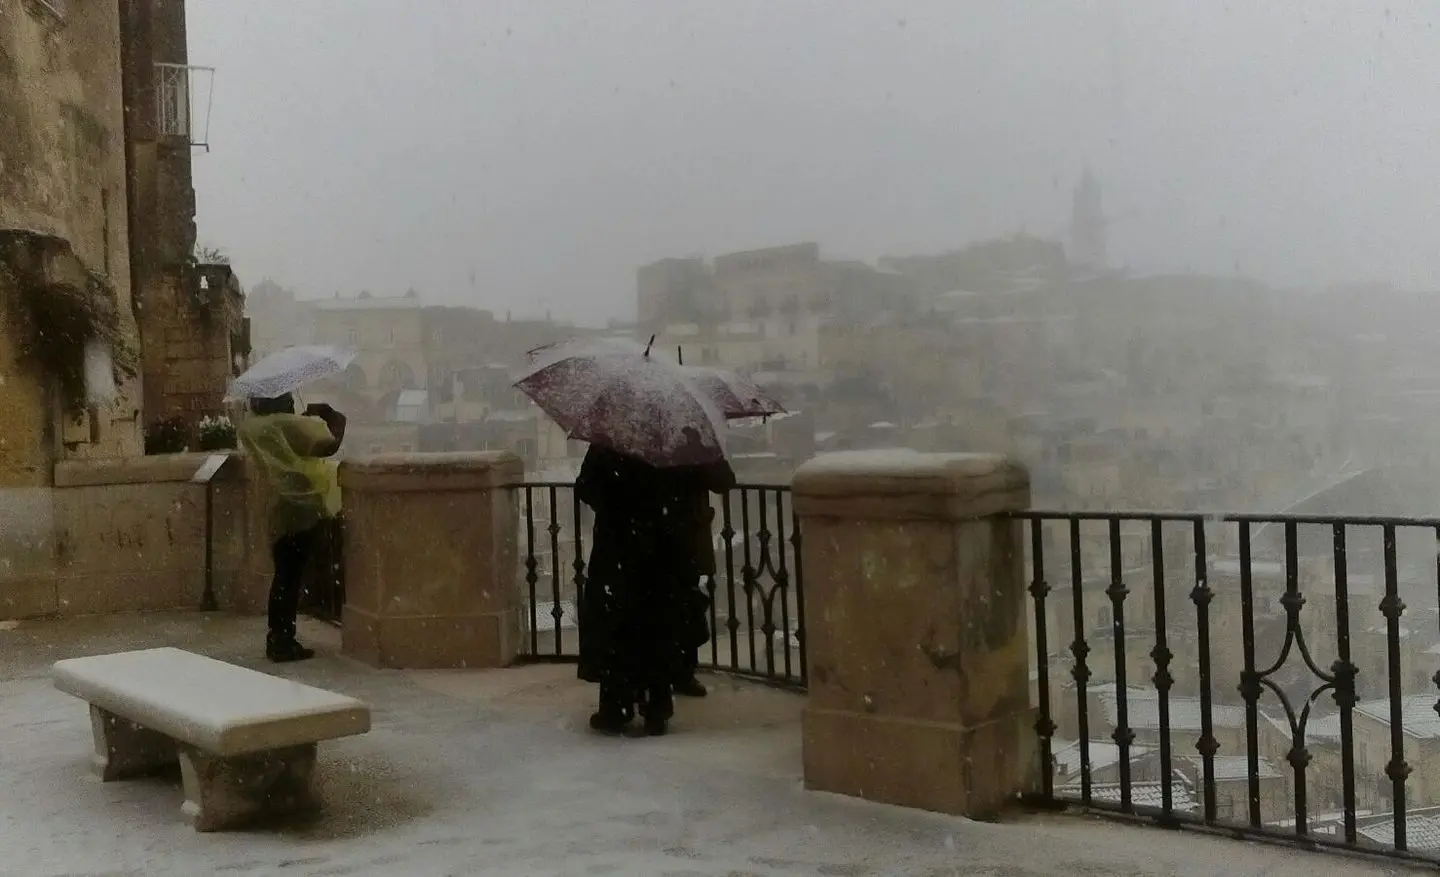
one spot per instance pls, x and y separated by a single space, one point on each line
491 773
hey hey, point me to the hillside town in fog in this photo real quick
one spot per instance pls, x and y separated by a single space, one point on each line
1119 391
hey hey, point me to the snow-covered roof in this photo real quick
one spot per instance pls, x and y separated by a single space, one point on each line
1417 714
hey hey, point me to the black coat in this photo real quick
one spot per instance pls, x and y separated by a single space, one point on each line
636 613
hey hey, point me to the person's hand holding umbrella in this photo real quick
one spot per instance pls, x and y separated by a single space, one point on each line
334 420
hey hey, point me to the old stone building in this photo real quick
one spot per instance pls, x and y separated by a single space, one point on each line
190 308
98 216
387 335
64 245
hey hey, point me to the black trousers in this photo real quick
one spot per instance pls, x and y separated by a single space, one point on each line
289 553
618 699
689 665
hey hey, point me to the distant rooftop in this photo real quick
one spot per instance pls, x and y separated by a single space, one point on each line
1318 729
1143 713
1103 754
1142 794
1417 714
1237 767
1422 829
362 303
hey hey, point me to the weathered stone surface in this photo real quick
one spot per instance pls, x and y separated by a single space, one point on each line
915 626
453 471
124 749
219 708
909 485
234 792
128 534
62 174
431 556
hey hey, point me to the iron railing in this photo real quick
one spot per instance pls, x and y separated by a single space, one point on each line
757 595
1259 674
323 594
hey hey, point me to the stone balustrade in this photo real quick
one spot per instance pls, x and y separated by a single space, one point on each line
914 617
119 535
915 620
430 559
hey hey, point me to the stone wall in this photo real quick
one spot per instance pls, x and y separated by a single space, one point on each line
188 360
62 174
125 535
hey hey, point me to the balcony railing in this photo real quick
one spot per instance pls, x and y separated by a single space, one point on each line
1286 691
757 595
182 102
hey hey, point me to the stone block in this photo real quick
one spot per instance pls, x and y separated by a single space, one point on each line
28 596
915 617
968 770
227 793
431 558
433 642
124 749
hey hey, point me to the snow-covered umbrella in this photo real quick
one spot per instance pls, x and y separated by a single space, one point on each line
734 394
290 369
624 397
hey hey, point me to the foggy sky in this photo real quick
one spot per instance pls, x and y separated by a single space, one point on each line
549 147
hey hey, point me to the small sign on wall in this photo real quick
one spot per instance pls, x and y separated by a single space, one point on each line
210 468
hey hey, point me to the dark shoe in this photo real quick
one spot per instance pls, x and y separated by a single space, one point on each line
611 724
287 651
691 687
655 727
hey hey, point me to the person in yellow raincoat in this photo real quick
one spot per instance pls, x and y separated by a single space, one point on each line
292 451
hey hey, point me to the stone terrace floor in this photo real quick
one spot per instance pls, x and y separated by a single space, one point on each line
492 773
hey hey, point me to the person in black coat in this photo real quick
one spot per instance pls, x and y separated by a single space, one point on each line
635 608
697 483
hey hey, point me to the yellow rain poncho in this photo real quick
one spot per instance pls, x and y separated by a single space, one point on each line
304 484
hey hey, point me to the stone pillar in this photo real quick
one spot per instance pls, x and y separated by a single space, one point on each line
431 559
915 627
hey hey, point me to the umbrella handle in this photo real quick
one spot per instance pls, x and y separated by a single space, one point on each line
648 345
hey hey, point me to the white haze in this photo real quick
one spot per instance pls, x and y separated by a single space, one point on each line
545 148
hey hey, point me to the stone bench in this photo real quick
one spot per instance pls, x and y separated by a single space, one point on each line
245 740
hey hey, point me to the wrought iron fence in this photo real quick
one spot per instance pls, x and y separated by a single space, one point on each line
757 595
1255 673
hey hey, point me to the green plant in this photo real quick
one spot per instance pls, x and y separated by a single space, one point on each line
216 433
166 437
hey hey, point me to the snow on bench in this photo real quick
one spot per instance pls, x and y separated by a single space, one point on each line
245 740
